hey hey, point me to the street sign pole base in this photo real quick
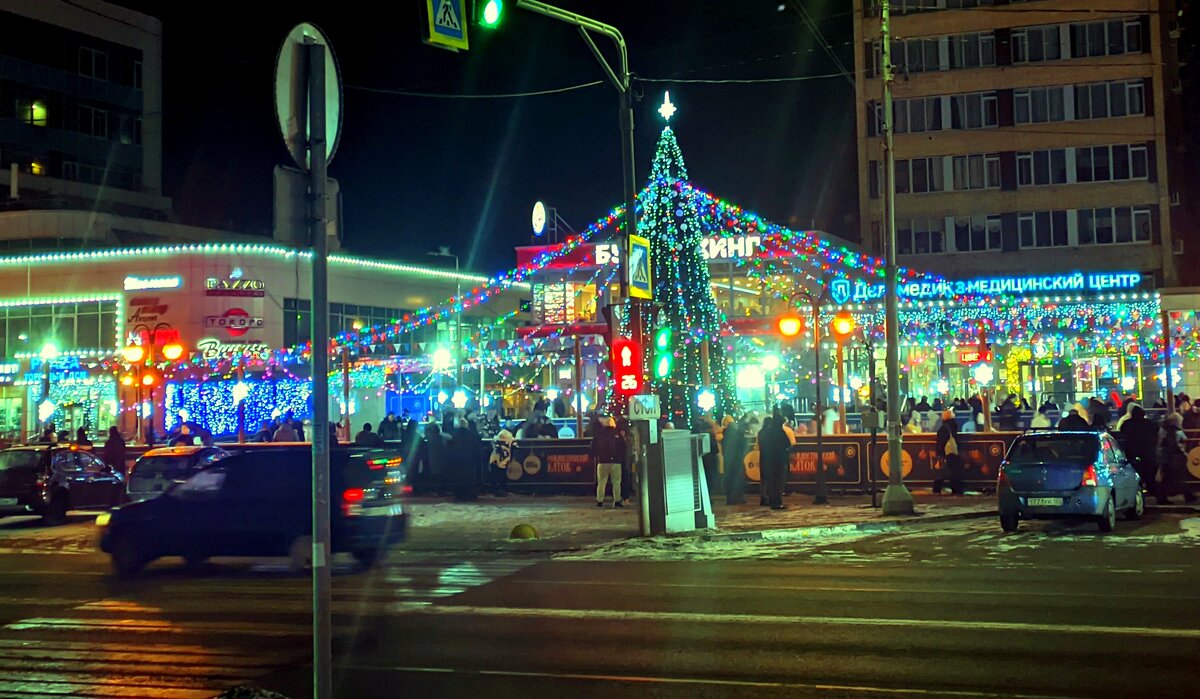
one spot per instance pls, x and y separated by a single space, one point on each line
897 500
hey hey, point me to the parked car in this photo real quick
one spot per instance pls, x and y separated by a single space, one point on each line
258 503
1067 474
50 479
158 469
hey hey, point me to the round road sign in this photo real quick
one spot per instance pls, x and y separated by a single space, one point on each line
291 94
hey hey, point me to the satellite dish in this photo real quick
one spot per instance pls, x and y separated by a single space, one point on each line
539 218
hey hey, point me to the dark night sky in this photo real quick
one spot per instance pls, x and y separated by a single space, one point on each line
420 172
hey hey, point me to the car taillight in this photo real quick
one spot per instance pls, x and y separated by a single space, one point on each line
1002 479
1089 476
406 489
353 495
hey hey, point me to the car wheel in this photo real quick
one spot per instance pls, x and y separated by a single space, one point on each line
369 557
300 553
56 511
1009 521
1139 504
1108 520
127 558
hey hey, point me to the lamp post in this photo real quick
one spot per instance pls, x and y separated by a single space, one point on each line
843 326
141 358
896 499
815 300
444 251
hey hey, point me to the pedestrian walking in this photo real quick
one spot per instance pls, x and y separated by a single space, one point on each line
948 453
608 452
389 429
1172 460
1140 437
114 450
703 424
735 444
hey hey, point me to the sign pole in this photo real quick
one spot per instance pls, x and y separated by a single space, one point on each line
322 618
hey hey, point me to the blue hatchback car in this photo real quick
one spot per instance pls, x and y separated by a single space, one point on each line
1067 474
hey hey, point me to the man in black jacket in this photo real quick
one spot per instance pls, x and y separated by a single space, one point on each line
1140 437
608 453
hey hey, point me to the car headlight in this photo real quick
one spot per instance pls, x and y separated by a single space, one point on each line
103 518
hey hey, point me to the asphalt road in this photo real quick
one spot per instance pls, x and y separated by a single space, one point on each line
951 609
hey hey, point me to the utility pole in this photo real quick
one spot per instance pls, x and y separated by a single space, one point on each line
896 498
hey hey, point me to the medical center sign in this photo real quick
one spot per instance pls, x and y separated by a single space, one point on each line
845 291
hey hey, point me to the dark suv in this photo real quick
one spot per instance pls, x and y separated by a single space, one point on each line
258 503
49 479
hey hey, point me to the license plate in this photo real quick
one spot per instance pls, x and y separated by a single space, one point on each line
7 502
1044 502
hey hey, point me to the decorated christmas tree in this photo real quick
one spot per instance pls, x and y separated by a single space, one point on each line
687 321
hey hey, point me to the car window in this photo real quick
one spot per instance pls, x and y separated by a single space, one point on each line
158 470
19 459
64 460
89 463
202 486
1112 453
211 456
1049 448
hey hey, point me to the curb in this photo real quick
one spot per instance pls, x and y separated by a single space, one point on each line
820 531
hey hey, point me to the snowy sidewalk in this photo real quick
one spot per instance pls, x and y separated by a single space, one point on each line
568 523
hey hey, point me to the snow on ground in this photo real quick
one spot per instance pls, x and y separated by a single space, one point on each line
696 549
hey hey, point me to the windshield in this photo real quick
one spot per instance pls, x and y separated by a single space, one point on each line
19 459
1080 449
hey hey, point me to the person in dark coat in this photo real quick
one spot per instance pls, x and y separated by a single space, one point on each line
114 450
367 438
466 456
1172 459
735 444
1100 415
702 424
264 433
1077 420
1140 437
950 455
81 437
389 429
774 453
608 452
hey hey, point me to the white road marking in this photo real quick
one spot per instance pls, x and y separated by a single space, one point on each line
710 618
864 689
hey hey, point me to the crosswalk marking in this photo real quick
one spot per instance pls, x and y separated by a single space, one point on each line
176 636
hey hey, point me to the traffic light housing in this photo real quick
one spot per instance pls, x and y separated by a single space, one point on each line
664 352
627 366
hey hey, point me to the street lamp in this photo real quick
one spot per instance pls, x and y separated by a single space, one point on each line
843 327
821 497
47 407
444 251
141 358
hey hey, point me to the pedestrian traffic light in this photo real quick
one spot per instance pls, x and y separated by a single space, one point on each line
664 355
627 366
489 13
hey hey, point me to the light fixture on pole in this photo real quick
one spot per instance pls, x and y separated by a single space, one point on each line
843 326
814 301
444 251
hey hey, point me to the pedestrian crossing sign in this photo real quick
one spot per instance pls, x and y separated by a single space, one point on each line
639 268
447 24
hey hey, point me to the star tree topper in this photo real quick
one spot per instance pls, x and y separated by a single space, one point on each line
667 110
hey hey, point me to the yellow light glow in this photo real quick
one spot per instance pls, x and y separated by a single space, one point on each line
127 380
843 325
172 351
789 326
134 353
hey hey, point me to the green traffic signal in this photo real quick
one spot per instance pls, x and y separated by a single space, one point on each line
662 339
493 12
662 366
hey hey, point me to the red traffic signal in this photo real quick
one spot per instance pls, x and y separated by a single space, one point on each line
627 367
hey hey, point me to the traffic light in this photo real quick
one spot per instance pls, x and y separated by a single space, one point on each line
489 13
664 356
627 366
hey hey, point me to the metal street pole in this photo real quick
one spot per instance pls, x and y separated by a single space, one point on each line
346 392
621 81
896 498
322 620
821 497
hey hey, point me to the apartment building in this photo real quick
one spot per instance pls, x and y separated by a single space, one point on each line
1031 136
81 108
